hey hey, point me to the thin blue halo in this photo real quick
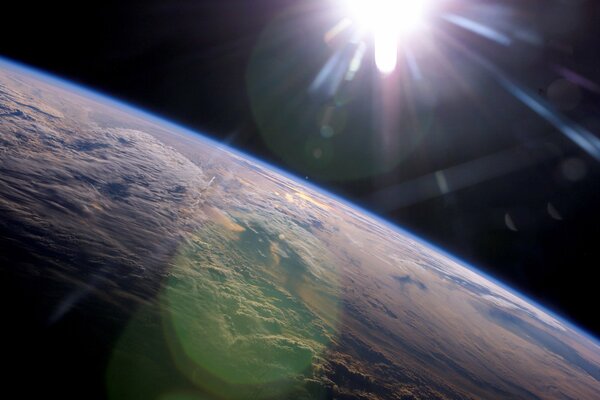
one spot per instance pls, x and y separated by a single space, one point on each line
102 97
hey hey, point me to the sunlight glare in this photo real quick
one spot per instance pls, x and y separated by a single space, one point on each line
387 21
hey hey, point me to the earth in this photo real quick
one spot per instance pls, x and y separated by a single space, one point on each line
139 260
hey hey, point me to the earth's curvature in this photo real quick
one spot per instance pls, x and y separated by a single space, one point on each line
141 261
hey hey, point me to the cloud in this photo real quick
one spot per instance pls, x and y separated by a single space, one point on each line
408 280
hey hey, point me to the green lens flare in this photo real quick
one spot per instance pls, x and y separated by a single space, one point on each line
242 312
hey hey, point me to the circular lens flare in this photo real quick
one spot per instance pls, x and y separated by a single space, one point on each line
387 21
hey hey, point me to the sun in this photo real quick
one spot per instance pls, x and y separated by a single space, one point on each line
387 21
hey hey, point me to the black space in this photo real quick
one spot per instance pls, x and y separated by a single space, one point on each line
189 61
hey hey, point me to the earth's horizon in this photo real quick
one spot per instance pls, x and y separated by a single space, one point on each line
140 259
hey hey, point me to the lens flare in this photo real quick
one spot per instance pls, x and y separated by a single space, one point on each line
387 21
